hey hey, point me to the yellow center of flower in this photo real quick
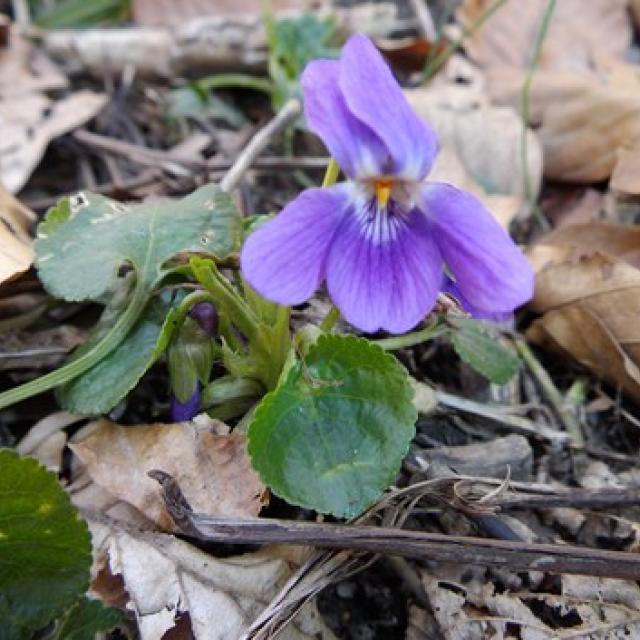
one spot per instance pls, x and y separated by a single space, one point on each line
382 188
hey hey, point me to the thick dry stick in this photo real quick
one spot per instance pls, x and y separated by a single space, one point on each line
516 556
289 112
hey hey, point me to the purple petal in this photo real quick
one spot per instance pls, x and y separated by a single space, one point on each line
284 260
490 270
183 411
374 97
358 150
500 317
383 270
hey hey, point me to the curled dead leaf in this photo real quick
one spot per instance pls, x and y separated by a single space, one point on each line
165 579
588 290
213 470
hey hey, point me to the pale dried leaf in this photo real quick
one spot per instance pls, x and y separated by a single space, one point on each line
583 118
24 69
28 123
16 253
46 439
577 30
486 139
213 471
625 178
166 577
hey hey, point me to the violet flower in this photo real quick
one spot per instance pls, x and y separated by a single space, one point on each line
380 240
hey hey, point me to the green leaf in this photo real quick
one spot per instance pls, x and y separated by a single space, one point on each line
293 43
86 618
80 248
332 435
481 347
45 547
100 388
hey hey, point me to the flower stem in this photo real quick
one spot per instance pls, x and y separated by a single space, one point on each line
411 339
526 90
331 174
76 367
329 321
237 80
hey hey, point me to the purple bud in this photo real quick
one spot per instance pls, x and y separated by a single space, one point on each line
180 412
206 316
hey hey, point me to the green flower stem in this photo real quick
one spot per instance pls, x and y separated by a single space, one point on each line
235 80
226 297
188 303
411 339
329 321
331 174
78 366
330 178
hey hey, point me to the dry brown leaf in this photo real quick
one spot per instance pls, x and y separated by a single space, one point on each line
577 30
625 178
583 118
481 144
213 470
584 96
166 578
588 288
16 253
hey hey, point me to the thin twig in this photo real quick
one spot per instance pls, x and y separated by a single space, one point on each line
285 116
519 424
517 556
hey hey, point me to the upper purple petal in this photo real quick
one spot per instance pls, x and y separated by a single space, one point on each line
383 270
489 269
356 148
284 260
374 97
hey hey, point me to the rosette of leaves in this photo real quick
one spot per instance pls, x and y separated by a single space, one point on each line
91 248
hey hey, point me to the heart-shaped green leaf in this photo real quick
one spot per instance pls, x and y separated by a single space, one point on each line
84 241
332 435
45 547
